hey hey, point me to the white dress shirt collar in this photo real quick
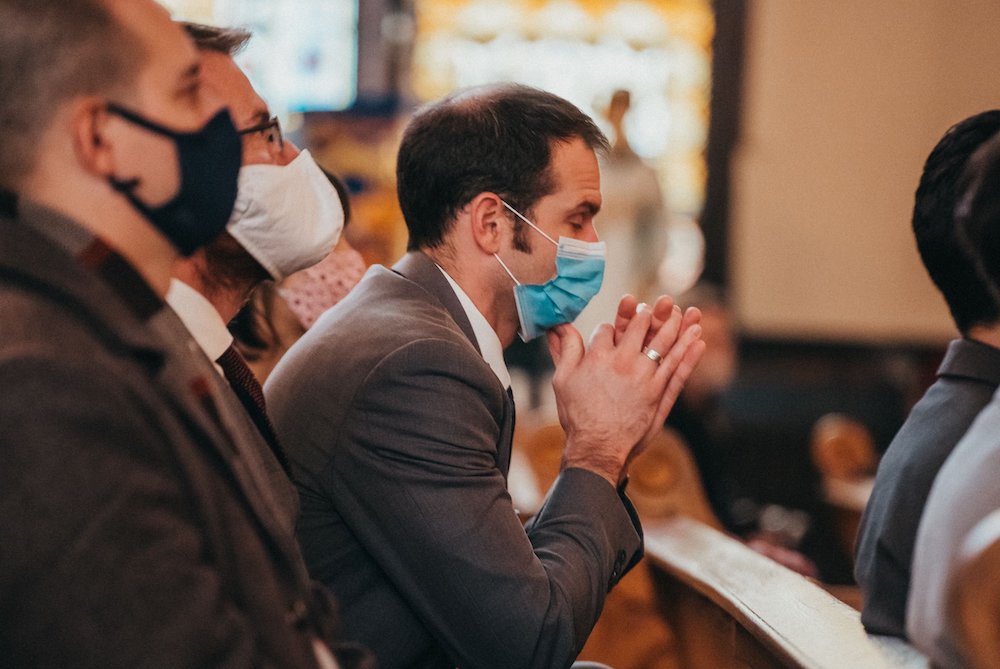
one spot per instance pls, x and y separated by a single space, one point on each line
486 336
201 319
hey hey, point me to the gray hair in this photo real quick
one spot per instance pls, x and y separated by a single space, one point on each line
227 41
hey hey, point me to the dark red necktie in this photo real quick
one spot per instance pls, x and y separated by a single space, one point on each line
243 382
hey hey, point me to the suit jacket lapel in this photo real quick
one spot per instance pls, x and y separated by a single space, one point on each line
233 441
421 270
506 435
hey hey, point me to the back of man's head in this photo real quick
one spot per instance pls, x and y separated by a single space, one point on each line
978 213
950 267
495 139
52 52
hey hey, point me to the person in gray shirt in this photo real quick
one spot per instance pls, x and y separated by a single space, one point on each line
966 489
966 380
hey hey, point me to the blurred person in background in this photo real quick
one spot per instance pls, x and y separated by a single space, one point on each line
966 380
633 222
967 488
697 417
703 424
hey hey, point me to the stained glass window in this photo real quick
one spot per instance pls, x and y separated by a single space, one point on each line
659 51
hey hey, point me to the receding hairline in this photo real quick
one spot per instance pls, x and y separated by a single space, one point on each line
481 99
217 39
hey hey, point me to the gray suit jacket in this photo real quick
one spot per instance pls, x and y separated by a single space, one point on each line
134 530
278 489
967 379
399 435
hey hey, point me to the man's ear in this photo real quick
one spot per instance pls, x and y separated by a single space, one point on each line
489 221
88 120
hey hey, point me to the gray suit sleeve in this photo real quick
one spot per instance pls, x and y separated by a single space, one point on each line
102 558
415 475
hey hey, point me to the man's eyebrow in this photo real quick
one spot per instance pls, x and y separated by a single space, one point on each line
262 115
192 72
590 207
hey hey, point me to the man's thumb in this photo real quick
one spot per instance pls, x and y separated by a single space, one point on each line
565 344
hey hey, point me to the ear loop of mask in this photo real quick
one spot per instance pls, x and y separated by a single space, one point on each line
537 229
505 268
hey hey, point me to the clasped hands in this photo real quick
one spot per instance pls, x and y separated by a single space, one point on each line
614 394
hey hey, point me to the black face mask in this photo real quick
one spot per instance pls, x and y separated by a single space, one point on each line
210 161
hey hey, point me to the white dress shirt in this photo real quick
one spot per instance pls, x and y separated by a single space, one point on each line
486 336
201 319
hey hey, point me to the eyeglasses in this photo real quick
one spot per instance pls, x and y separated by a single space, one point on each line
271 130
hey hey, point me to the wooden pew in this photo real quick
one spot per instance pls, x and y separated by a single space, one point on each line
664 481
843 452
701 599
730 607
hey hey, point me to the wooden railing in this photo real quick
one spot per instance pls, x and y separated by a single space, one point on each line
731 607
704 600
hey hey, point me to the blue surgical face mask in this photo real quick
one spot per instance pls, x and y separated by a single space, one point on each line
579 272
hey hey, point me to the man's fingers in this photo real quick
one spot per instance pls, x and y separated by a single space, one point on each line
565 344
663 338
626 307
635 331
661 310
691 316
626 310
603 337
555 345
675 355
692 355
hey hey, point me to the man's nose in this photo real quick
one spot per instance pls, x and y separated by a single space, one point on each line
288 153
211 103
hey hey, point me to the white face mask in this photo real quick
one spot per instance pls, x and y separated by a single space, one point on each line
287 217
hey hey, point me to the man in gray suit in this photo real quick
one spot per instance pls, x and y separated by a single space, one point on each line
136 528
396 413
967 379
967 489
287 217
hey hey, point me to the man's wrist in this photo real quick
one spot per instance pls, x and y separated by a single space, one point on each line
607 466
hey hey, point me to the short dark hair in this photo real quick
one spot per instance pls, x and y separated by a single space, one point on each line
227 41
495 139
941 186
978 213
229 266
53 51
